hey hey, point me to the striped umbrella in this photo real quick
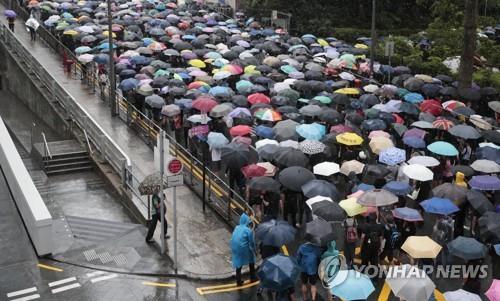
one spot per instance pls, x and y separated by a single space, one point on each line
268 115
442 124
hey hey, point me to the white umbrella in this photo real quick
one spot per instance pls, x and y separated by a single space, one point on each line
326 169
418 172
371 88
317 199
263 142
461 295
486 166
86 58
289 143
347 76
490 144
197 118
409 283
426 161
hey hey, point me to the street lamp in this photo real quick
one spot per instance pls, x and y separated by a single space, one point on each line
373 38
111 67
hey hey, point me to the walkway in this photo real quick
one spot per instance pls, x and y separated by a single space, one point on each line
203 237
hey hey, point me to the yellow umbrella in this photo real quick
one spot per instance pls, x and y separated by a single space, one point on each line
421 247
197 63
250 69
378 144
351 207
71 32
348 91
322 42
349 139
361 46
106 34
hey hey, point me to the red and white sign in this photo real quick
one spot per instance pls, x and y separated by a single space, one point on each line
174 166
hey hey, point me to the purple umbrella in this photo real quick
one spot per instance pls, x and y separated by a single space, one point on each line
10 13
407 214
414 132
414 142
485 183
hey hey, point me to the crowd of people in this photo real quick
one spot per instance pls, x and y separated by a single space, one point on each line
305 131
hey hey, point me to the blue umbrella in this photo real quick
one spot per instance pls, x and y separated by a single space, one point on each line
105 46
10 13
363 187
140 60
313 131
374 125
488 153
439 206
83 49
443 148
128 84
275 233
184 103
351 285
264 132
485 183
414 142
279 272
220 91
467 248
398 188
101 58
413 98
216 140
392 156
407 214
497 249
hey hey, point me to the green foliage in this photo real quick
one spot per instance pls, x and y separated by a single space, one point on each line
490 51
486 77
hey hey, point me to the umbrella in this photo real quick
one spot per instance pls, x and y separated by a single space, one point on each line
270 169
151 184
263 184
220 110
326 169
392 156
319 232
450 191
351 285
466 170
294 177
275 233
407 214
311 147
253 170
352 207
288 156
425 161
268 151
439 206
285 130
409 283
467 248
485 166
493 293
326 209
421 247
414 142
235 155
464 132
311 110
377 198
485 183
352 166
263 142
378 144
9 13
479 202
349 139
418 172
240 130
155 101
398 188
199 118
279 272
216 140
171 110
320 187
204 104
313 131
461 295
489 227
443 148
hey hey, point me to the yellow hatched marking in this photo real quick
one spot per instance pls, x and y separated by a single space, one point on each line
48 267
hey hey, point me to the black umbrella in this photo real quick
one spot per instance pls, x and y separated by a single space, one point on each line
268 151
479 202
449 91
275 233
319 232
444 78
330 116
340 99
467 248
373 125
287 156
466 170
431 90
489 227
413 84
279 272
294 177
235 155
263 184
320 187
492 136
450 191
469 94
373 172
328 211
409 108
488 153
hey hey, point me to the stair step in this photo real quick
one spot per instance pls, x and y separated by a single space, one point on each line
58 160
49 166
68 170
66 155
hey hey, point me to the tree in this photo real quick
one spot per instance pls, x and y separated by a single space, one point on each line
467 59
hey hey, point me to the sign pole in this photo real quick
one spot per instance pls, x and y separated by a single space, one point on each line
174 192
162 204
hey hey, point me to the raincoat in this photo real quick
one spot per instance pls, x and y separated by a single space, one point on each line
331 251
242 243
460 180
308 256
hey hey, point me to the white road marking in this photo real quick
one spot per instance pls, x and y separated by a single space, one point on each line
22 292
95 273
62 281
27 298
65 288
103 278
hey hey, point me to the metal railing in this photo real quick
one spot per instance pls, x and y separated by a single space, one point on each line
46 150
89 148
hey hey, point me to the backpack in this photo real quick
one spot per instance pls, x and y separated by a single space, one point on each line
394 237
351 232
373 238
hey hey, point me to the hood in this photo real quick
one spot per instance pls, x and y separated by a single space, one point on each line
244 219
332 250
460 179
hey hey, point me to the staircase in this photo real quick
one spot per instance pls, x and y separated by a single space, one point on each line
61 157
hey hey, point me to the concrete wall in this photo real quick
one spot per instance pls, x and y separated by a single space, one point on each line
35 214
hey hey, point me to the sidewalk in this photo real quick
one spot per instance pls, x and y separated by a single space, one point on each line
203 238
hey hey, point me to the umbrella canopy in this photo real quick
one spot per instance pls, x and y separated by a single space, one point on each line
392 156
479 202
467 248
398 188
489 227
349 139
410 283
264 184
450 191
352 166
407 214
439 206
294 177
320 187
287 156
240 130
326 168
493 293
351 207
326 209
216 140
461 295
275 233
485 183
378 144
279 272
351 285
319 232
311 147
313 131
421 247
443 148
424 161
235 155
253 170
377 198
418 172
465 132
151 184
485 166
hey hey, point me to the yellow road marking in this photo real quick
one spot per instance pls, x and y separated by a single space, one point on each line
439 296
159 284
48 267
224 288
384 292
284 250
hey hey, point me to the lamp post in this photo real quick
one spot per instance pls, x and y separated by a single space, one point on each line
111 67
373 38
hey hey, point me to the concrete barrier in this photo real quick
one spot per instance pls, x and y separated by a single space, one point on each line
35 214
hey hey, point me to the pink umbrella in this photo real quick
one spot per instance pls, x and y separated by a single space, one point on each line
379 134
493 293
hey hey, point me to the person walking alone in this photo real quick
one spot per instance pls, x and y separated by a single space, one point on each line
156 217
243 249
11 21
32 25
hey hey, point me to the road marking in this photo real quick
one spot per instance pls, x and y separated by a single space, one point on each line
160 284
95 273
22 292
94 280
230 288
62 281
27 298
48 267
65 288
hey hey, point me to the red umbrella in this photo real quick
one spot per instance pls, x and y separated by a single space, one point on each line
431 106
258 98
442 124
204 104
398 119
240 130
340 128
253 170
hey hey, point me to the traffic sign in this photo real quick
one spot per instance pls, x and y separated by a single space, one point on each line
174 166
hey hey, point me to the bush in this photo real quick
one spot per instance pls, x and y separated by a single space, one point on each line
487 78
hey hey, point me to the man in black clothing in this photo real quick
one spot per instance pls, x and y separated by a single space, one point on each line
156 217
371 238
